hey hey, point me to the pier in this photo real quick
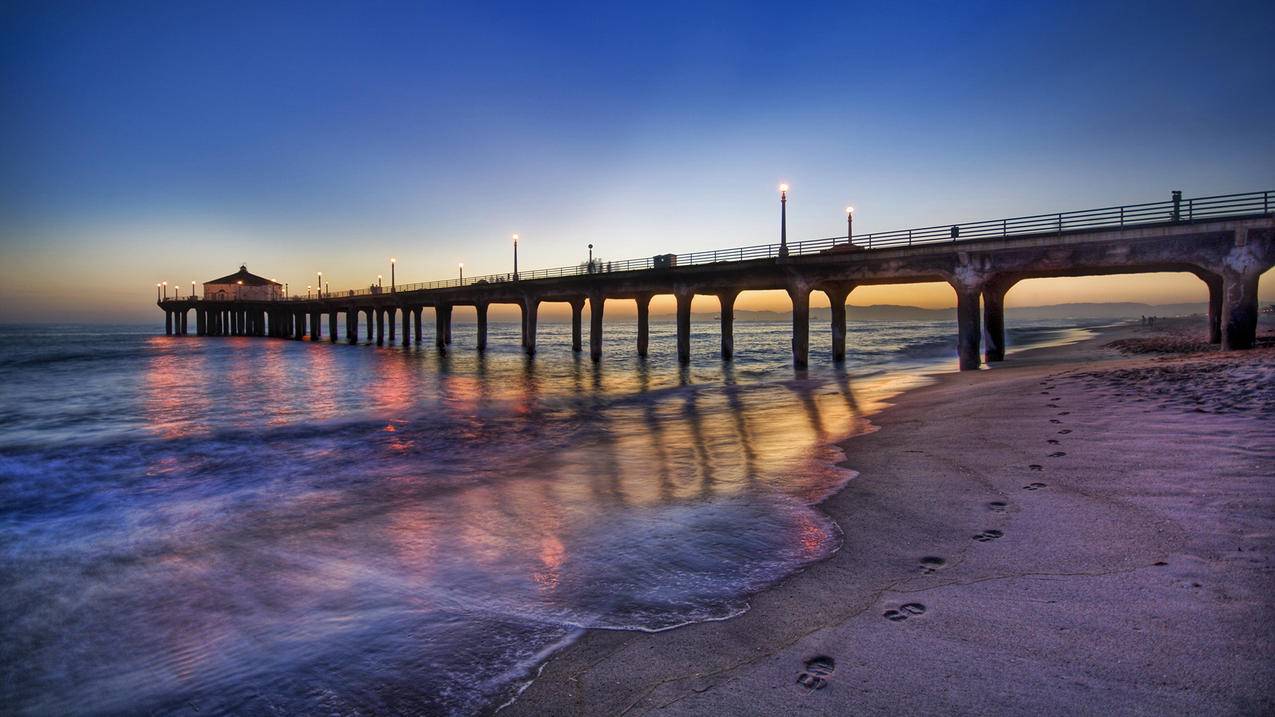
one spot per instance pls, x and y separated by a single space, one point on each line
1227 241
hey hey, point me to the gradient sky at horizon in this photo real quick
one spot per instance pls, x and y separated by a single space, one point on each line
174 141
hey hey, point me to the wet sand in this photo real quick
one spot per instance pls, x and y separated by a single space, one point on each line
1078 530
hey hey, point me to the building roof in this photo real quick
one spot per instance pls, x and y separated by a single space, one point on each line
244 277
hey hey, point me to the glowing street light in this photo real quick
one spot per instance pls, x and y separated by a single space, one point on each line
392 262
307 291
849 224
165 283
515 257
320 285
192 289
157 288
379 281
783 220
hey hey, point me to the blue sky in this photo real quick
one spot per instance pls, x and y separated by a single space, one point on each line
173 141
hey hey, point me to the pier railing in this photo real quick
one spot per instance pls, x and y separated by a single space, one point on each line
1178 210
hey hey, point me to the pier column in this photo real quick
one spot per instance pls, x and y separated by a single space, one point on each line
351 325
181 323
644 324
577 325
1241 271
1239 310
994 317
201 327
168 322
368 321
332 326
481 311
391 316
416 321
407 326
800 295
442 317
967 325
1214 282
727 299
837 295
447 327
380 327
300 332
684 298
596 302
530 317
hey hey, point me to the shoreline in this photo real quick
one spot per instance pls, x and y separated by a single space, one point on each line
1032 536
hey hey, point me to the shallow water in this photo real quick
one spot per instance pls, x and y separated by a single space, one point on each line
260 526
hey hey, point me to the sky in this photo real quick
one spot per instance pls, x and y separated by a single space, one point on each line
147 142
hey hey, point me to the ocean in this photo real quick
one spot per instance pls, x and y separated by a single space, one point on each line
261 526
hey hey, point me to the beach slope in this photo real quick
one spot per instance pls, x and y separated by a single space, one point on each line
1079 530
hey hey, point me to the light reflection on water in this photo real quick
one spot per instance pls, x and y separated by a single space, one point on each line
249 525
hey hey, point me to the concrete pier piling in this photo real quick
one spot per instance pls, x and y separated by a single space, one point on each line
684 299
643 324
596 302
577 325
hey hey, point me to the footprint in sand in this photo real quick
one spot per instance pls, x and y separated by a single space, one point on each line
1064 413
1053 441
1064 431
1057 454
1036 467
818 670
1034 486
930 564
988 535
911 609
997 506
1054 420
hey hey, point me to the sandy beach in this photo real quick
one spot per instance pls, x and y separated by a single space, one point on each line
1082 529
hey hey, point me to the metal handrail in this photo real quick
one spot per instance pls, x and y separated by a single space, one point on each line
1179 211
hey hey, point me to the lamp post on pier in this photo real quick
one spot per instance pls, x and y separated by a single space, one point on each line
320 285
393 261
192 290
462 273
515 257
157 287
307 291
849 225
165 283
783 220
379 280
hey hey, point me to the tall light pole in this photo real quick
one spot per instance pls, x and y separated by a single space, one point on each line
783 220
157 287
307 291
462 273
165 283
320 285
379 281
590 258
393 261
192 290
849 225
515 257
